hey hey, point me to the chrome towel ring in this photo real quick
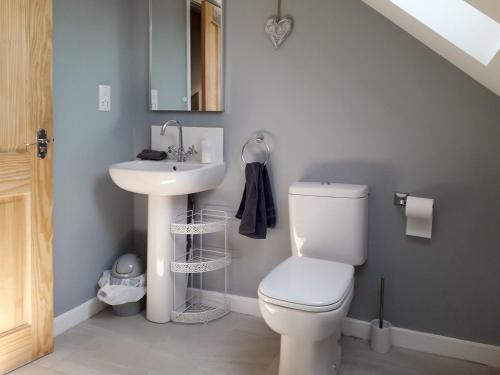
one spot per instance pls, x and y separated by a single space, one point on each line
258 140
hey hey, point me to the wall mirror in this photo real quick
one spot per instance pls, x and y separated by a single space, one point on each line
186 55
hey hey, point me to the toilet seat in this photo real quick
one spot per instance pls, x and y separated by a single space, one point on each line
308 284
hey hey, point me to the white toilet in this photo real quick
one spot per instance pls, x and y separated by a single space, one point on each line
306 298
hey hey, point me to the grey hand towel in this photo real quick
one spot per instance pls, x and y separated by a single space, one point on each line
256 211
268 195
152 155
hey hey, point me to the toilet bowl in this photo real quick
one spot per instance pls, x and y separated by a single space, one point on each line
308 318
306 298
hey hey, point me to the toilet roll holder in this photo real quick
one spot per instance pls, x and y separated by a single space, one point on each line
400 199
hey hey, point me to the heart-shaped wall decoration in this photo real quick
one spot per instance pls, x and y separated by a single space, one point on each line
278 30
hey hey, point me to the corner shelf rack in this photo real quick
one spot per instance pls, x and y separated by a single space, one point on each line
192 304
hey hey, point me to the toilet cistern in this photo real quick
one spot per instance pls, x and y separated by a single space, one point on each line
176 123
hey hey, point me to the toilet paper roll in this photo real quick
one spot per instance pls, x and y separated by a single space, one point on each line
419 217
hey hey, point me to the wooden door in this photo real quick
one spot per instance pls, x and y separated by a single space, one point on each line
26 311
211 57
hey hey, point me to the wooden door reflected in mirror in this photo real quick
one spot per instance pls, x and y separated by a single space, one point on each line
186 55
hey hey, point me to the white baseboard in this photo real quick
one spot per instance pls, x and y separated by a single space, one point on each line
430 343
401 337
239 304
75 316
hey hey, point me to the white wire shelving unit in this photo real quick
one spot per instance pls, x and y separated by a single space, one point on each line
193 304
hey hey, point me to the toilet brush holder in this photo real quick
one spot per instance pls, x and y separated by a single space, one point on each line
380 338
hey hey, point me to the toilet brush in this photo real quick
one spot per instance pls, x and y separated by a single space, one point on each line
380 330
381 307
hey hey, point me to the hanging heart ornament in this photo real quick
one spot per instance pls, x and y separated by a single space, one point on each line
278 29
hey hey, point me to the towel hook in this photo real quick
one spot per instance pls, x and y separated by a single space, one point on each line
258 140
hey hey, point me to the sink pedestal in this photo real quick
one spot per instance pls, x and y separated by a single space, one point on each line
160 293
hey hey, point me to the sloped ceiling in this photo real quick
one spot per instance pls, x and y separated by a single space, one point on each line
488 76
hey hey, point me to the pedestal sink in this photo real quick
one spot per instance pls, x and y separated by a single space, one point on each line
167 184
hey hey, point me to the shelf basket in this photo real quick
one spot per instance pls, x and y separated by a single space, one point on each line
204 222
192 303
201 260
200 309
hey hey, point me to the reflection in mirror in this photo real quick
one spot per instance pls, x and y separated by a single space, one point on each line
186 55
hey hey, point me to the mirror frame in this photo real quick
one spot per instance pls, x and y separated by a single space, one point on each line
188 58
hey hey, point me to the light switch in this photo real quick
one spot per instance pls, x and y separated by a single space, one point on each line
104 98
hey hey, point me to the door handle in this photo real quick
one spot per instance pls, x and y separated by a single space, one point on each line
42 144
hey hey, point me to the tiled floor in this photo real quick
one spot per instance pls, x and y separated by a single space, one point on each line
236 345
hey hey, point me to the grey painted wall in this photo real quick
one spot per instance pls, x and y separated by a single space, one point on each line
93 217
350 97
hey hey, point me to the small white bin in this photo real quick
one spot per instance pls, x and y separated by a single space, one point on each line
380 338
124 287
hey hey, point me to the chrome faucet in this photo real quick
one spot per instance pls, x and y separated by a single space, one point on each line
180 150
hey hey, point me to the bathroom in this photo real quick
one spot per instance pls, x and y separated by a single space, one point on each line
358 93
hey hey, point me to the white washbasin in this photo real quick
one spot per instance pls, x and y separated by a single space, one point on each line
167 177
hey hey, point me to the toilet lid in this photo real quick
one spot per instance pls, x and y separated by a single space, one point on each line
308 284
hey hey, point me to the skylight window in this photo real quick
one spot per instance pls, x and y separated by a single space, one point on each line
460 23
